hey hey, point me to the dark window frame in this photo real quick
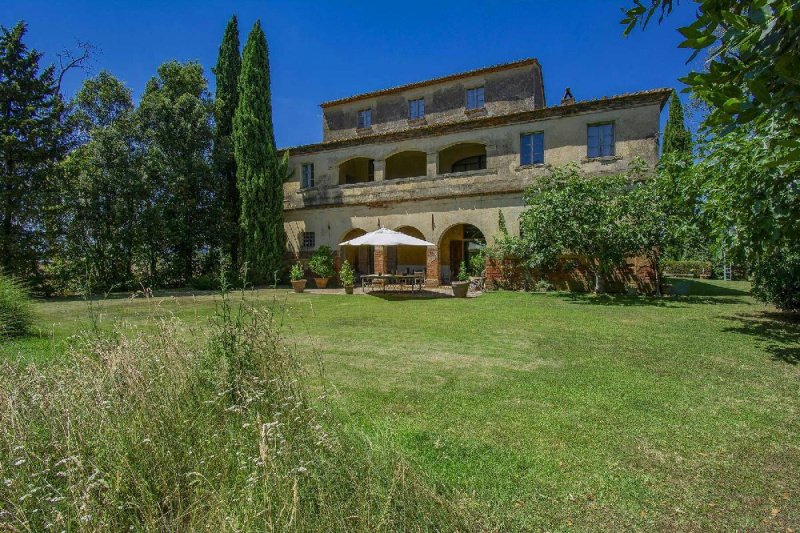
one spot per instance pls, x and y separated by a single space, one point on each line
307 176
470 163
308 240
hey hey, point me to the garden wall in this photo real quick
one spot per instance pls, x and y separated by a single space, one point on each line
571 274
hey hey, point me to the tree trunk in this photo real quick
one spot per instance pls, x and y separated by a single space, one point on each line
599 282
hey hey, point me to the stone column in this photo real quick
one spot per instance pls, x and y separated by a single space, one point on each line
380 169
431 164
379 259
432 267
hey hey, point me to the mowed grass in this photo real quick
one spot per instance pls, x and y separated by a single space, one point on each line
551 411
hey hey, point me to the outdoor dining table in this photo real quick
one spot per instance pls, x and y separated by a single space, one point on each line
416 280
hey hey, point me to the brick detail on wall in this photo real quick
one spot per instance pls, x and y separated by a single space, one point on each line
432 267
379 260
571 274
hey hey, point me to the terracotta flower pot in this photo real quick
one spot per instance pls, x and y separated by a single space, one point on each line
321 282
299 285
348 289
460 288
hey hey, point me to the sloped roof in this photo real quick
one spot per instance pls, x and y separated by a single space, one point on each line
634 99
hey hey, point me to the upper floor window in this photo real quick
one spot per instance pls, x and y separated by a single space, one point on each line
416 108
475 98
531 148
600 140
308 176
309 240
365 118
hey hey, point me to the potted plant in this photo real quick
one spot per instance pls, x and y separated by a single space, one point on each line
297 274
461 284
347 277
321 264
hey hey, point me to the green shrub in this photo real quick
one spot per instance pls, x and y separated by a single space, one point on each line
542 286
477 262
297 272
776 280
206 282
321 262
16 310
165 434
687 268
463 274
347 275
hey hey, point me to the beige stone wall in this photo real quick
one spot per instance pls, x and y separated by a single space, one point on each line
433 204
636 130
432 218
506 91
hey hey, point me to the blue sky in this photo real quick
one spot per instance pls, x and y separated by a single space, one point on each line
325 50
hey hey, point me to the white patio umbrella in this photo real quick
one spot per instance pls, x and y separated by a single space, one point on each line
386 237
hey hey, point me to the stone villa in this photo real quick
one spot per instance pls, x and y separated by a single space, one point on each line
439 159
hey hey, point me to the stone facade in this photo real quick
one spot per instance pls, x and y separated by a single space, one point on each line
447 180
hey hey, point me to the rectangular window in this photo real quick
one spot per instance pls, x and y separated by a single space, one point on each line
600 140
308 240
416 109
531 148
365 118
308 176
475 98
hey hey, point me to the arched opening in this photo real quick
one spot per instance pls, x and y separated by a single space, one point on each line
360 257
462 158
407 259
462 242
408 164
357 170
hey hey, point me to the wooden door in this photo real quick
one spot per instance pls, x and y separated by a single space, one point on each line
456 256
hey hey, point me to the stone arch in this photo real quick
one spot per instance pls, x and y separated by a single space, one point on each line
406 164
458 242
461 157
360 257
408 258
356 170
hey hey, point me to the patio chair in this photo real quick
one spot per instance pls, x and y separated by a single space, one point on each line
420 276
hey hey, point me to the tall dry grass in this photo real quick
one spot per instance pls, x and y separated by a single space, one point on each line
147 432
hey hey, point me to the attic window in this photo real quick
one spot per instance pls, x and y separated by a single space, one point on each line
364 118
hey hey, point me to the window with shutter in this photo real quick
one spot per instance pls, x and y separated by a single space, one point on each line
531 148
600 140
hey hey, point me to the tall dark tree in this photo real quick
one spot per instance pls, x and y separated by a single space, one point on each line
261 173
229 66
677 139
30 144
174 118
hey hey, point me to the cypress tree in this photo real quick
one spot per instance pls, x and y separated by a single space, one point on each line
229 65
260 173
677 139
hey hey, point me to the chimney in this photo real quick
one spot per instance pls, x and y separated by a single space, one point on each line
567 98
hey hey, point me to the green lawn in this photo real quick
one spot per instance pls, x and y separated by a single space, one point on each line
552 410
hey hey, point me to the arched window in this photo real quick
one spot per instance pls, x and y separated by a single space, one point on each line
475 162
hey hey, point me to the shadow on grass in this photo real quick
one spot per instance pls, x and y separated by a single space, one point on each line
697 287
648 301
403 296
780 333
